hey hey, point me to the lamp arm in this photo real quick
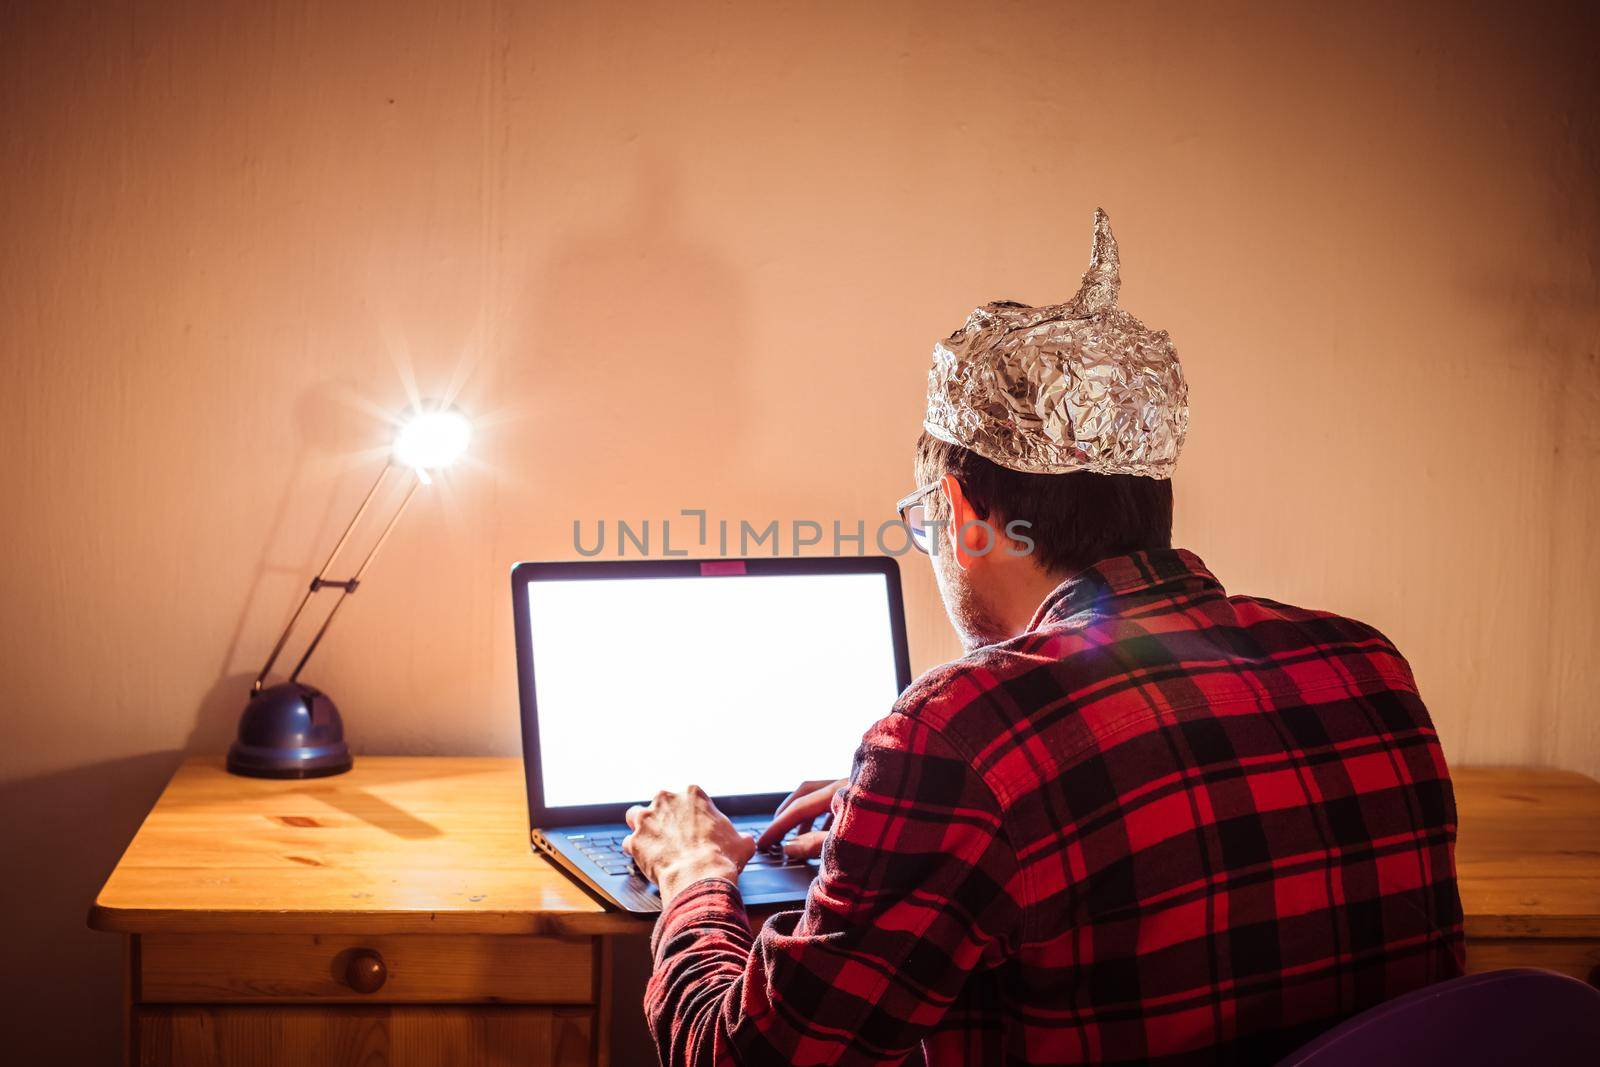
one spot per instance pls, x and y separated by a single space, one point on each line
347 586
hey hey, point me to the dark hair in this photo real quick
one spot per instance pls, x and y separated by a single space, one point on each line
1077 519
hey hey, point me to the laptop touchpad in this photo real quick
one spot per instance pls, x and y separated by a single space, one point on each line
785 880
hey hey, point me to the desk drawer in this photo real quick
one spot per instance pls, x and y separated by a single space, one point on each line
394 1035
407 968
1579 958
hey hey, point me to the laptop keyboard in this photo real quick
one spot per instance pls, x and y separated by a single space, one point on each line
604 850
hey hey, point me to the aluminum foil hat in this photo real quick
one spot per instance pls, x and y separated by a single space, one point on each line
1077 386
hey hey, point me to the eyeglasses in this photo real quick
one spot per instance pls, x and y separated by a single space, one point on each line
914 513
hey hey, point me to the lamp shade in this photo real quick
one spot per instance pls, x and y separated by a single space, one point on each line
429 440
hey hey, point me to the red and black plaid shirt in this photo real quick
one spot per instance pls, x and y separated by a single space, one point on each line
1164 825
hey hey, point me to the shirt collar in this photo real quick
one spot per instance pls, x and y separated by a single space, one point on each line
1170 573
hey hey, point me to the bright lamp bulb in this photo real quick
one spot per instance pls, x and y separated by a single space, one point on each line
432 439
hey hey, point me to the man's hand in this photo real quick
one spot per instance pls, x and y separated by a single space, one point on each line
680 838
801 808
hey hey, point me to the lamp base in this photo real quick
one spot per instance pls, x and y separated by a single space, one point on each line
289 730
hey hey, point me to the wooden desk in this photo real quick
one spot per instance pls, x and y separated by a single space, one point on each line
255 911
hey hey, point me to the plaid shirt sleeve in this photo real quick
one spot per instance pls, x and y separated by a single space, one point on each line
917 890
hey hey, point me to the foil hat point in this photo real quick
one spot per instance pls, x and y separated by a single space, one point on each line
1080 386
1103 280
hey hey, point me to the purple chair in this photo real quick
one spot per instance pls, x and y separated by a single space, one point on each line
1518 1016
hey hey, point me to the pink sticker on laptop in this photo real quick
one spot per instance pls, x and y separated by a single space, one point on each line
713 567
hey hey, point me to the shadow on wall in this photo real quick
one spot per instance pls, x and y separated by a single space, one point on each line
642 354
61 834
329 429
216 721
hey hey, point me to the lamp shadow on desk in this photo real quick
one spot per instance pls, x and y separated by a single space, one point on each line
370 809
213 731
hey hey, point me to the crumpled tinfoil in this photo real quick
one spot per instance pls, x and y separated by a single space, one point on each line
1077 386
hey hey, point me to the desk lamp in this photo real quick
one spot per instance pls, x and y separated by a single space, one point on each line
293 730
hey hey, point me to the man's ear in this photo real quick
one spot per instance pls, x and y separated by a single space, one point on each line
967 533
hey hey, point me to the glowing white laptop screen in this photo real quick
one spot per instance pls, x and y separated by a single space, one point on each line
739 685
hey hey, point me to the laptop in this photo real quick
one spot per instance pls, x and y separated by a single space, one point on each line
743 676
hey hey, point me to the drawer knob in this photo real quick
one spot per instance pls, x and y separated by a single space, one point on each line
366 972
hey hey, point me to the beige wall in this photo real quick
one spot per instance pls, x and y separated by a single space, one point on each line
696 257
